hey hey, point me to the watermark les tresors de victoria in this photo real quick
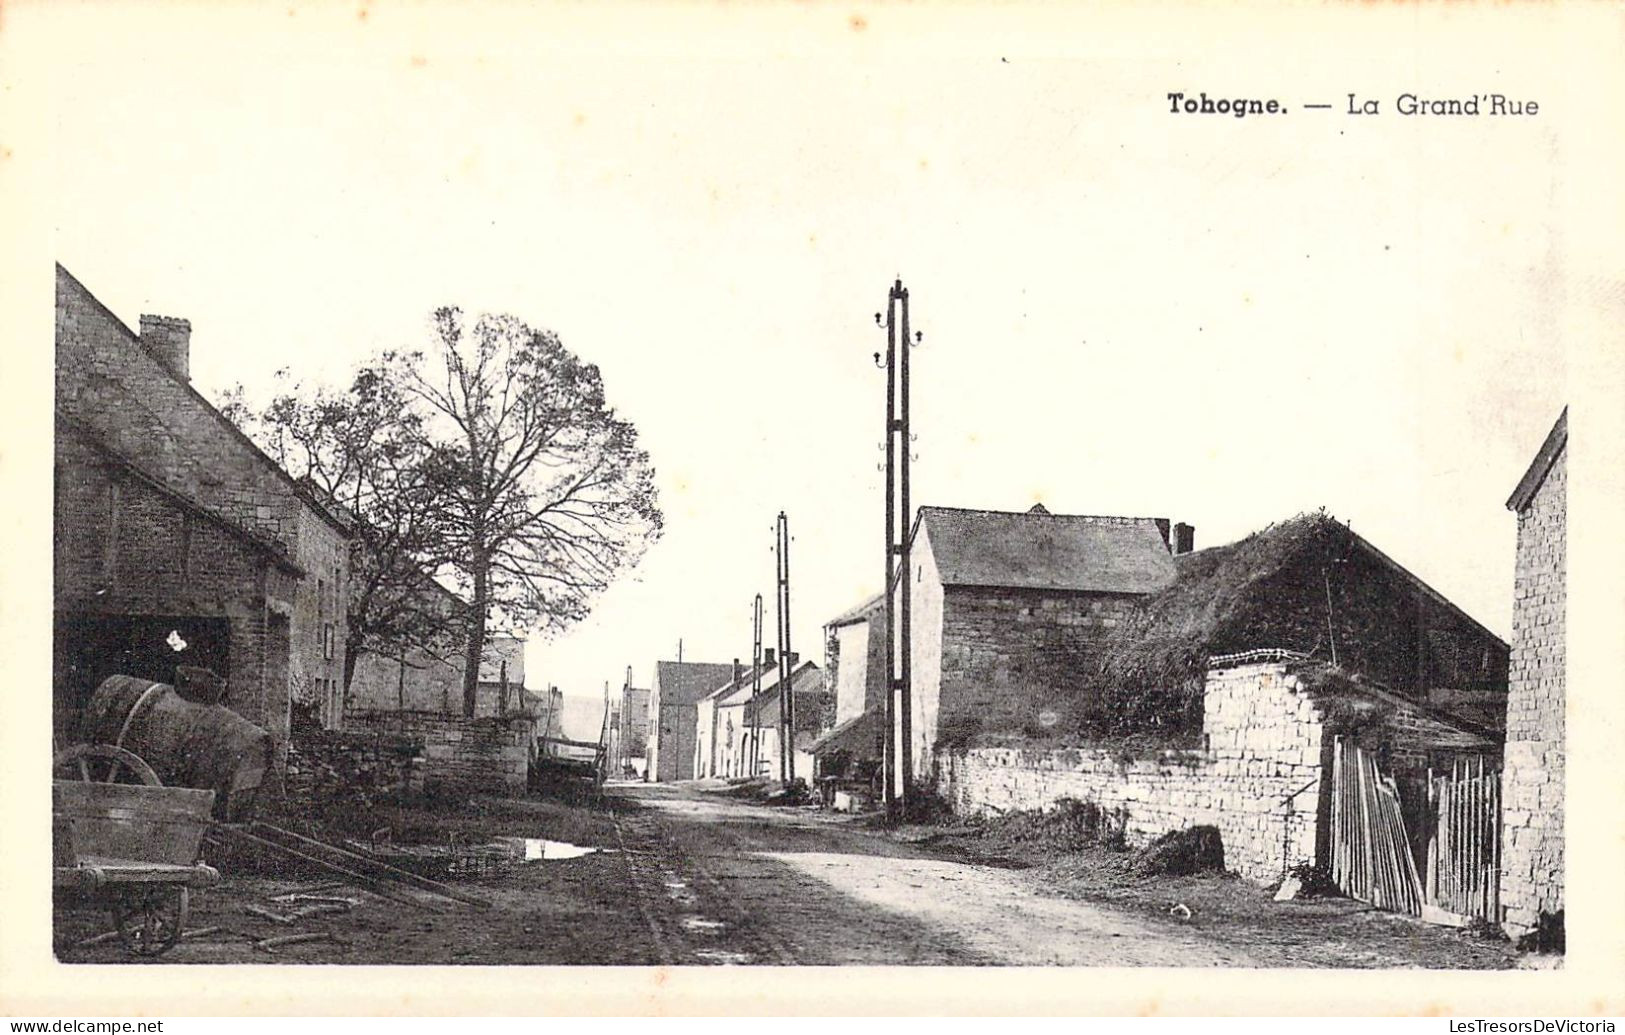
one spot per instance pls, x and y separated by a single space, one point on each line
1408 104
1563 1026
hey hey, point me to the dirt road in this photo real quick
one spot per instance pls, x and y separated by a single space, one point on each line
685 875
752 884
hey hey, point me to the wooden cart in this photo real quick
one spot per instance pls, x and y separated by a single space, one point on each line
122 838
574 768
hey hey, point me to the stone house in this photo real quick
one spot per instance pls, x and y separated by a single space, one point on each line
423 680
673 701
855 659
169 519
1217 699
1008 607
726 718
634 741
1532 872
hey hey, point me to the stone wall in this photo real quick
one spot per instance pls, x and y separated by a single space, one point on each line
147 410
1258 777
1004 654
127 549
1532 879
1258 780
482 754
329 765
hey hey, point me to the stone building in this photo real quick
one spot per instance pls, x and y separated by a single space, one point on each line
1216 699
168 520
673 700
855 659
1532 780
423 680
634 741
1007 608
726 719
1260 773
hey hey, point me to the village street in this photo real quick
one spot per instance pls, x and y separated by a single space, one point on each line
686 874
725 881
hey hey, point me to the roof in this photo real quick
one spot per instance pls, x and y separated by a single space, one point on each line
807 682
303 492
858 613
1071 553
801 680
685 682
247 536
1223 600
860 734
1531 481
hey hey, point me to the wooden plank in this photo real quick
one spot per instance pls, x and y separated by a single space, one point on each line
393 873
379 887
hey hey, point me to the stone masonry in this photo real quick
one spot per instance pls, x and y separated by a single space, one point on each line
466 754
134 391
1258 777
1532 793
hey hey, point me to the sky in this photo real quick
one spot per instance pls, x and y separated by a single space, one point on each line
1125 311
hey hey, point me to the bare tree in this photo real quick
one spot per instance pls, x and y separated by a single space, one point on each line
359 450
546 497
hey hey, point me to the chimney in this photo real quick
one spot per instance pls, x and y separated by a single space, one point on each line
170 339
795 658
1184 538
768 655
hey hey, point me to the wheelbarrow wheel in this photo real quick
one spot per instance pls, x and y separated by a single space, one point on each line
150 920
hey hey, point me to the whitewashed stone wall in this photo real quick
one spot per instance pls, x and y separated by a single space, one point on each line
1532 791
1257 778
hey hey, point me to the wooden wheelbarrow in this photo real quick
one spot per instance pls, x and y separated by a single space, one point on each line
120 836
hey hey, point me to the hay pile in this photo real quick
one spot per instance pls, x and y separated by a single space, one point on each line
1181 853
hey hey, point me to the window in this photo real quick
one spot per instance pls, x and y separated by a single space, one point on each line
329 639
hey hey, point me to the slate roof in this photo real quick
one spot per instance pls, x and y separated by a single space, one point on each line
859 613
1556 439
858 734
685 682
807 683
807 678
1037 550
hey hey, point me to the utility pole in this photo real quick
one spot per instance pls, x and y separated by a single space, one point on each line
756 689
899 750
787 698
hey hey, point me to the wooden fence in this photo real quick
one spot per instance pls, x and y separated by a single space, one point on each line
1464 851
1460 821
1371 857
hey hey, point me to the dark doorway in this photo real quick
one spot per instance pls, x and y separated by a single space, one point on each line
90 647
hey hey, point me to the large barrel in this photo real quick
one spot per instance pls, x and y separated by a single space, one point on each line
188 744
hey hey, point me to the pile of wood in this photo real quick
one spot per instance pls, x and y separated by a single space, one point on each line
1371 855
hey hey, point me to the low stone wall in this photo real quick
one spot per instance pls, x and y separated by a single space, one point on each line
486 753
327 764
1257 777
1263 835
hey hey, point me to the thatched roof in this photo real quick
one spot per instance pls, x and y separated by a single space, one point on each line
1214 605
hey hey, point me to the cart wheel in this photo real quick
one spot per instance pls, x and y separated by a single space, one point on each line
103 763
150 920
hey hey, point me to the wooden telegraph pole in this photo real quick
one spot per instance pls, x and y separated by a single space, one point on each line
899 750
787 697
756 690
